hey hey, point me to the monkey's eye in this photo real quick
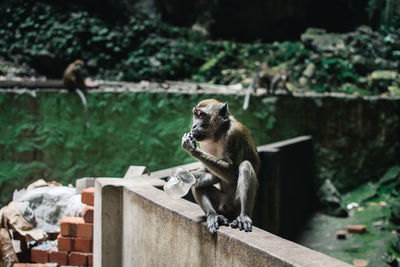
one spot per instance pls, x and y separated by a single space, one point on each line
199 114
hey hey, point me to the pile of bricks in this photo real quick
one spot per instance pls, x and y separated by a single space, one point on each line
75 241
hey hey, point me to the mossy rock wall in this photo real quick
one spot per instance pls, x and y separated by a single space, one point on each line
43 135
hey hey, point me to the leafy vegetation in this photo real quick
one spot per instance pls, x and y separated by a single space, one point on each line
137 47
377 207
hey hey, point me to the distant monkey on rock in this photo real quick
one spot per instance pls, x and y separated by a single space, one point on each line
73 80
227 183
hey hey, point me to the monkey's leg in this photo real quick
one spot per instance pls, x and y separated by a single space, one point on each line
204 178
246 193
84 102
205 196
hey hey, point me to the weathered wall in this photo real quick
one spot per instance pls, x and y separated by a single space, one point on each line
151 229
44 136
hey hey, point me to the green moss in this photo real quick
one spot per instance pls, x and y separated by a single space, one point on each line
45 136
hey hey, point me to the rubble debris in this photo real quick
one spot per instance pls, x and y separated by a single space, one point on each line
359 263
352 205
329 198
357 229
44 207
75 241
341 234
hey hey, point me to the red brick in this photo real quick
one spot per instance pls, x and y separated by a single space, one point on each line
356 229
78 258
88 213
88 196
360 263
34 265
68 226
85 230
75 244
341 234
76 227
39 255
90 259
83 245
64 243
60 257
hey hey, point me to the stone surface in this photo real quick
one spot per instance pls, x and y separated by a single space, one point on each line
323 42
286 171
84 183
178 234
330 200
135 171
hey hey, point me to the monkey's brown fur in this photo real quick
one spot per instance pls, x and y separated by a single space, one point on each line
73 80
73 75
230 159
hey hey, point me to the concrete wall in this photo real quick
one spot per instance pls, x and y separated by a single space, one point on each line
42 133
137 224
286 194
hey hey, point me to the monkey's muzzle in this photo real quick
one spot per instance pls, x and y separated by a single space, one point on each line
199 135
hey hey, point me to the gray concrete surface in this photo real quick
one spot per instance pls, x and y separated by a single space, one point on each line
137 224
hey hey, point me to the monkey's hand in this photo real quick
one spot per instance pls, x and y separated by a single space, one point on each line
214 221
188 142
243 222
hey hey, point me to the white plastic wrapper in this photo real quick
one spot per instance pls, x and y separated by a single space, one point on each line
179 183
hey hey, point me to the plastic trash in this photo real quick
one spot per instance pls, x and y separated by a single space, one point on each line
179 183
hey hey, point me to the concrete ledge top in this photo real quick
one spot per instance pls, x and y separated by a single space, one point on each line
55 86
263 246
277 145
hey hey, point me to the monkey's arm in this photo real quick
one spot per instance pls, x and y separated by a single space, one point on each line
204 178
223 168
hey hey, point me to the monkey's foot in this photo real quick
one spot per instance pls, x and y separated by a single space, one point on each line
214 221
243 222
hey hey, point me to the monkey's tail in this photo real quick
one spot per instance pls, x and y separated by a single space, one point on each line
248 92
84 102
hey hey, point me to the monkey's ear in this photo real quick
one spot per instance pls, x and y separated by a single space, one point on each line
223 110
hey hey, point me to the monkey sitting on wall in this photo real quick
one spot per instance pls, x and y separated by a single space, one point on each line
73 80
230 159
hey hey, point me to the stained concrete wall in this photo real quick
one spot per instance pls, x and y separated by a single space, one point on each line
286 194
43 134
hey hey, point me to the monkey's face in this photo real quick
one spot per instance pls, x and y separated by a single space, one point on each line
78 66
209 117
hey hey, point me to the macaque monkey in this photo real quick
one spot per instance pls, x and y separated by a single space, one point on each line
73 80
226 185
268 79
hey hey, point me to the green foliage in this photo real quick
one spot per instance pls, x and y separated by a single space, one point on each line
136 48
333 71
